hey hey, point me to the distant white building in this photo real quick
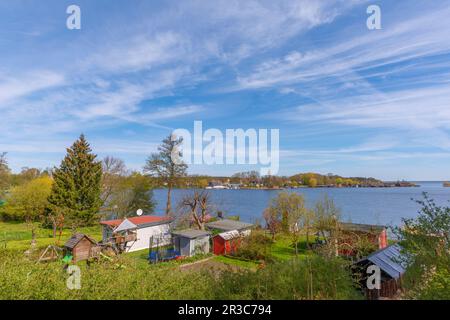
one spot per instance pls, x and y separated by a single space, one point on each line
135 233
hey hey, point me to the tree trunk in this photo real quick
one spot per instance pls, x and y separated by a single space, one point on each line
33 237
307 238
336 247
54 227
168 206
296 246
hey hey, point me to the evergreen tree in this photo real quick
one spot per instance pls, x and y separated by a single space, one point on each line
77 185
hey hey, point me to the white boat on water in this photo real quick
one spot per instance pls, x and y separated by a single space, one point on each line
218 187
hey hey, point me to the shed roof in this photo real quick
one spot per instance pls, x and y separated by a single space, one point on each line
390 260
191 233
76 238
228 225
140 222
229 235
369 228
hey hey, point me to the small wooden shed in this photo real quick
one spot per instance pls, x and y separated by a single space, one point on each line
226 242
392 263
81 247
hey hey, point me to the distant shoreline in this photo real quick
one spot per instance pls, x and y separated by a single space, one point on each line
387 186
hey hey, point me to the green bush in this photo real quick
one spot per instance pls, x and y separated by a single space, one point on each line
438 287
257 246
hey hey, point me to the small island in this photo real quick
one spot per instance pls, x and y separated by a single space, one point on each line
446 184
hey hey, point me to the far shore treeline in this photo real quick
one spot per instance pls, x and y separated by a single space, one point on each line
248 179
84 186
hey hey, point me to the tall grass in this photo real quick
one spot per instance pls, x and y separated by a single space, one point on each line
24 279
305 278
125 278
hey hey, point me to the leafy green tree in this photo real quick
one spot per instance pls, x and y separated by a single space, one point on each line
339 182
326 223
132 193
28 203
296 213
426 244
5 174
312 183
167 165
77 185
26 175
288 212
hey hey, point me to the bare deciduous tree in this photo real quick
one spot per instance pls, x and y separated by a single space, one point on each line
197 206
113 170
273 224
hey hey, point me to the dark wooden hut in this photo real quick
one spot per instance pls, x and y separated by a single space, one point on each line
392 264
81 247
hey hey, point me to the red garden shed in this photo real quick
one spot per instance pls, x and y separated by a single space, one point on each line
351 232
226 242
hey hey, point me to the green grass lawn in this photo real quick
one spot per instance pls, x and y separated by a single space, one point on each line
283 248
237 262
17 235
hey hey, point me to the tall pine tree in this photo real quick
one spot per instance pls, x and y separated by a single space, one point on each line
77 185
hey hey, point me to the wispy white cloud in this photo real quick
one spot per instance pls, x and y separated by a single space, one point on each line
405 40
169 62
139 53
423 108
13 87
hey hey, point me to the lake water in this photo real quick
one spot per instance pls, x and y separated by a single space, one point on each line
360 205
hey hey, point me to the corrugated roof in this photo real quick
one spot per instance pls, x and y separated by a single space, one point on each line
233 234
361 227
390 260
191 233
228 225
139 221
73 241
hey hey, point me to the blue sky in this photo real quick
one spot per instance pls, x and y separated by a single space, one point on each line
347 100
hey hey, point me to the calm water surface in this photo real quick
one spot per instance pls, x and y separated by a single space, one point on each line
360 205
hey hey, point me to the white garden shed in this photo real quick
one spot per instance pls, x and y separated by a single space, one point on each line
190 242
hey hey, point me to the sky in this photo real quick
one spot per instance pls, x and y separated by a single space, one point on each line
346 99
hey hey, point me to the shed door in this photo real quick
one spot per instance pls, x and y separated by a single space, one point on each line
185 247
82 250
218 245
